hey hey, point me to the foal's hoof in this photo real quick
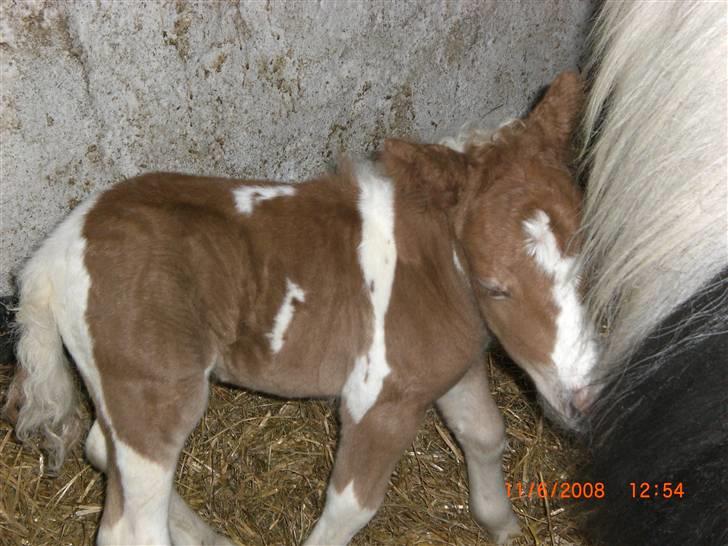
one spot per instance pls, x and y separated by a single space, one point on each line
507 532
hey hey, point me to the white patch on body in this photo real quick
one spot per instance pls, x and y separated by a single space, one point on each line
342 518
71 288
247 197
574 352
377 258
95 447
71 284
457 142
285 315
456 261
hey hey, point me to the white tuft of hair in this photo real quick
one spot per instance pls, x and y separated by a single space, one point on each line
470 135
655 217
43 392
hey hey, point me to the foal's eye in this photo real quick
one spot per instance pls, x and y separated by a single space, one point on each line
493 289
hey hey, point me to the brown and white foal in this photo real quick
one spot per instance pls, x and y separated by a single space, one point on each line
370 285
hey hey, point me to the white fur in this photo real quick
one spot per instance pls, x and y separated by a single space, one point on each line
456 261
377 257
342 518
247 197
72 284
542 245
474 136
655 142
574 353
96 448
285 315
472 415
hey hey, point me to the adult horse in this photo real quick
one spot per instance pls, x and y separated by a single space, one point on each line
656 253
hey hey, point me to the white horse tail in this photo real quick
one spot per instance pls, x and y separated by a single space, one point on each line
42 399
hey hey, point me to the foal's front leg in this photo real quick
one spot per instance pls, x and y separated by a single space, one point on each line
367 454
474 418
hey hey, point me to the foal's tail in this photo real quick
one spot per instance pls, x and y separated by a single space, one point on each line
42 399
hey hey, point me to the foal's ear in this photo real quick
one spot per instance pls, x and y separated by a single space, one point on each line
558 112
435 172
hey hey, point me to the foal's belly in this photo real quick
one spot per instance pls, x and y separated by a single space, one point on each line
314 366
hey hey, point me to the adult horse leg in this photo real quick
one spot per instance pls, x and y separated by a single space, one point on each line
476 422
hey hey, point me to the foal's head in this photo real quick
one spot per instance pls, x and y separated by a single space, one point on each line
519 233
516 216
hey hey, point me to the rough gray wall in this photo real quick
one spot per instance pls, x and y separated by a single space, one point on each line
93 92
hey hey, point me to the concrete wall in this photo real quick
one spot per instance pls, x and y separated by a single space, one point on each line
93 92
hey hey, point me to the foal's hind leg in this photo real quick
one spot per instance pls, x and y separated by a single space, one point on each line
138 494
367 454
474 418
145 414
185 525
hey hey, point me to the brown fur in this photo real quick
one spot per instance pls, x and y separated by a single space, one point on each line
192 281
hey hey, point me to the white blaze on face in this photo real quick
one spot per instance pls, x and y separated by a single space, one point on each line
377 258
247 197
574 351
283 319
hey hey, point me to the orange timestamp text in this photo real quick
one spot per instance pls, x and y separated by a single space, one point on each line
656 490
556 490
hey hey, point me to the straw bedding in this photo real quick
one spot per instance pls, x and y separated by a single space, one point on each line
256 468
